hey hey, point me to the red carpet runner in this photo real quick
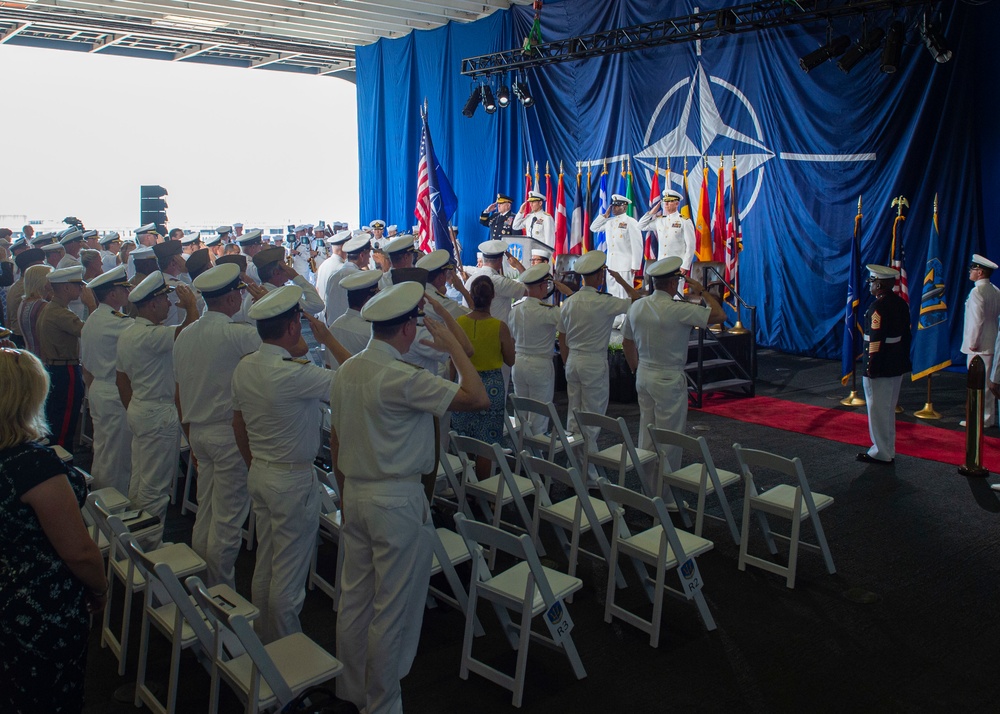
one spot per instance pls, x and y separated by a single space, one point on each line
924 441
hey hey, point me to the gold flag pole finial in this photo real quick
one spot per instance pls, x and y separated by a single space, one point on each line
560 167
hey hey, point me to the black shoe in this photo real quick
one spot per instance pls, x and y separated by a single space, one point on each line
865 458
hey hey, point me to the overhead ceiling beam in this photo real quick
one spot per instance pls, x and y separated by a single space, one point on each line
14 31
338 67
195 51
108 41
271 59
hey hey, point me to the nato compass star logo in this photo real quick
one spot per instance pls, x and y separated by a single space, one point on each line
690 108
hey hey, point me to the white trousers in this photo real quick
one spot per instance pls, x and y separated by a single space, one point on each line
586 388
989 401
663 403
534 377
387 564
881 395
223 500
112 464
156 445
286 505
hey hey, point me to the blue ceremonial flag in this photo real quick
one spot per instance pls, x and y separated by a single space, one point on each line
599 241
851 349
436 202
930 342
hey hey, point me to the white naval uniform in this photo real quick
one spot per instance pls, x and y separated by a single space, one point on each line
112 465
75 306
540 226
533 326
311 302
300 259
109 260
506 291
376 400
352 332
661 328
336 296
326 271
982 309
624 241
251 270
585 319
675 235
280 400
205 355
145 354
452 307
177 315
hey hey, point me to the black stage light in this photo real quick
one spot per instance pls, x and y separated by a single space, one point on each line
935 44
503 96
831 49
522 92
893 47
472 102
489 104
868 44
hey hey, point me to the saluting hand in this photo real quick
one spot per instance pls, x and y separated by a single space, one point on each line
185 297
319 329
256 291
443 340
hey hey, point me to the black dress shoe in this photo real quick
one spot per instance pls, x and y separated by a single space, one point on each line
865 458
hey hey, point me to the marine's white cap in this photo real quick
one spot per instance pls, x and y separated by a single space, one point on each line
492 248
361 279
219 280
665 267
151 286
984 262
276 302
67 275
435 260
116 277
882 272
394 304
535 274
590 262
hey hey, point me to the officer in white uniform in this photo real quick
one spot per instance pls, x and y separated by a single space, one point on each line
440 267
170 260
333 263
250 245
112 464
274 273
532 218
982 309
146 385
506 289
674 233
359 252
656 334
585 322
350 329
540 255
110 245
72 244
205 357
215 246
300 251
533 326
624 241
401 254
225 233
190 242
276 419
376 400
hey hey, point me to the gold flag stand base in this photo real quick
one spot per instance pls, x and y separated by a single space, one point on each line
927 412
719 328
738 329
899 409
852 400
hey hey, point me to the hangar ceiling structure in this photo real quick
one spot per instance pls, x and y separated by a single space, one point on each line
307 36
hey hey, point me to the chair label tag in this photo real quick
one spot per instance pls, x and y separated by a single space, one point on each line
559 622
691 581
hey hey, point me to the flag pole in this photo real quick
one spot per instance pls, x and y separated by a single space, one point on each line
928 411
852 399
898 204
738 328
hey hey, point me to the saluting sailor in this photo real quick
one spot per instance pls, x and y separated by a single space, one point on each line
276 419
170 261
358 251
401 254
333 263
250 244
538 224
110 243
498 217
112 464
506 290
274 273
674 233
624 241
350 329
440 267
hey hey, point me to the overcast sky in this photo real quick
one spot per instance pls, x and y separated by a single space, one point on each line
82 132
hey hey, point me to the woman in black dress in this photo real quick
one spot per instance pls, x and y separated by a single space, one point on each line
51 572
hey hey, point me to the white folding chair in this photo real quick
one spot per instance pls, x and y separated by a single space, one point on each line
264 676
796 503
450 550
173 612
661 546
528 588
576 514
557 441
330 521
698 477
113 502
499 489
619 456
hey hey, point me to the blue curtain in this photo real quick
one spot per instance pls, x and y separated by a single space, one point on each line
807 145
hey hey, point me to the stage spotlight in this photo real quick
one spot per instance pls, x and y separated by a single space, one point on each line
935 44
472 102
522 92
489 104
868 44
831 49
503 96
893 48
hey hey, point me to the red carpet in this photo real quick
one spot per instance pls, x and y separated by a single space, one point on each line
924 441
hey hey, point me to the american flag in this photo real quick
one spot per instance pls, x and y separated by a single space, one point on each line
897 256
436 201
735 234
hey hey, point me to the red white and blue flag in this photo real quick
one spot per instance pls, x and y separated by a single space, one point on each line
436 201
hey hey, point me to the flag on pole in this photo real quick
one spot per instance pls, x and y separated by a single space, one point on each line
652 247
548 190
586 242
719 219
436 201
527 188
599 241
630 190
576 225
702 224
851 349
535 189
734 242
897 256
930 341
685 210
560 231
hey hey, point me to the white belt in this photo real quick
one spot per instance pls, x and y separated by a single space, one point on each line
163 401
887 340
589 353
541 355
284 465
